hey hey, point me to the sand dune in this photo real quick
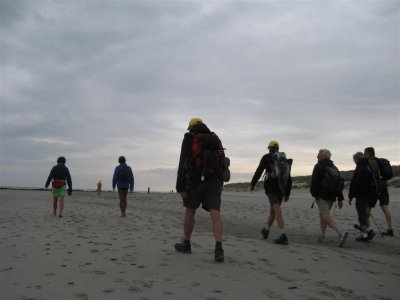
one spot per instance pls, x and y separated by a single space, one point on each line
92 253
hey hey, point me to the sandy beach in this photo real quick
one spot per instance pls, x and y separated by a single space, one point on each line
93 253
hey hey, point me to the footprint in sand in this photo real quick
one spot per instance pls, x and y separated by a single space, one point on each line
82 296
108 291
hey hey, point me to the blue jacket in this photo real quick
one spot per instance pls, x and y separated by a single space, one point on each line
123 184
59 171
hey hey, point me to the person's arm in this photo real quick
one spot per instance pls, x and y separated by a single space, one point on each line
115 177
260 169
315 181
185 155
132 180
69 181
49 178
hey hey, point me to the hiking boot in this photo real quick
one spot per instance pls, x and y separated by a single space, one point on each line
388 232
219 254
183 247
371 234
342 238
282 240
265 233
356 226
362 239
321 239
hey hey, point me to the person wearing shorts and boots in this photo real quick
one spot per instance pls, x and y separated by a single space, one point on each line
363 188
124 180
324 197
383 196
274 192
205 191
59 177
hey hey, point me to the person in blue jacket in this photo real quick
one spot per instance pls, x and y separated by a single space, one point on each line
59 177
124 180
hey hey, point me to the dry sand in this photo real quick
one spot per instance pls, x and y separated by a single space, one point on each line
92 253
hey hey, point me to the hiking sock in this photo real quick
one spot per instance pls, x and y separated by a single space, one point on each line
186 242
218 244
365 234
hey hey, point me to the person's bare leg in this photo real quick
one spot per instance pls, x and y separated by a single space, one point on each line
61 206
55 204
188 223
217 224
388 216
278 216
271 218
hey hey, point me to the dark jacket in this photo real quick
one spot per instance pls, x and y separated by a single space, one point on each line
317 175
362 184
59 171
271 185
123 184
186 155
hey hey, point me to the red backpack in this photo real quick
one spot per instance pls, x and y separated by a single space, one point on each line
208 157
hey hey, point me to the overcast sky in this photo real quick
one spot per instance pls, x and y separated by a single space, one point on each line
93 80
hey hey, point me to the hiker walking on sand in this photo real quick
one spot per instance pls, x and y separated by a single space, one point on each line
124 180
199 181
326 186
363 188
383 196
99 185
59 177
277 185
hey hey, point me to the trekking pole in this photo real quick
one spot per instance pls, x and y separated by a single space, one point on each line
373 220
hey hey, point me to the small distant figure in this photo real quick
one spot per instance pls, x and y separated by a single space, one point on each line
148 190
326 186
99 186
363 187
277 185
59 177
383 196
124 180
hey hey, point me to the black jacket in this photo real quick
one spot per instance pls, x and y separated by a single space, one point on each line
316 189
186 154
271 185
59 171
362 183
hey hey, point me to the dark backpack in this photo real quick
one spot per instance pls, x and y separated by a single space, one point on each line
373 183
124 174
280 170
332 182
208 158
385 169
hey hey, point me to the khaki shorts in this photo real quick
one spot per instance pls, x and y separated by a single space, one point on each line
324 206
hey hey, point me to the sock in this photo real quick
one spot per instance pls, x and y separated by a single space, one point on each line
186 242
218 244
364 234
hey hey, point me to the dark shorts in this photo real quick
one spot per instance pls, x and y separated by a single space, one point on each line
274 198
206 193
384 196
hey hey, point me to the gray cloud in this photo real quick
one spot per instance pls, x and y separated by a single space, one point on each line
92 80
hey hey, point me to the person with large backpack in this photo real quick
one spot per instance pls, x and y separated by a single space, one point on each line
382 172
277 185
363 187
124 180
327 186
199 181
